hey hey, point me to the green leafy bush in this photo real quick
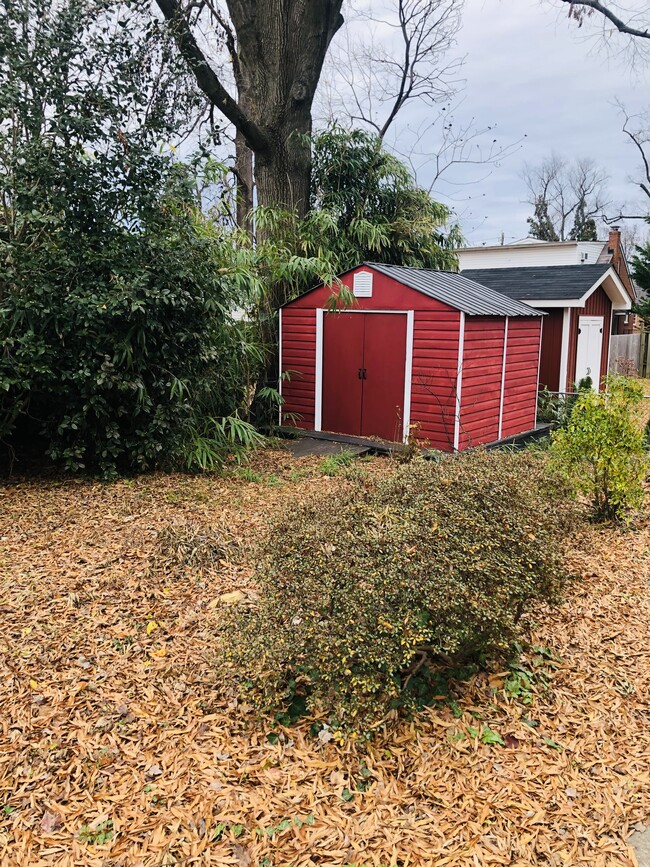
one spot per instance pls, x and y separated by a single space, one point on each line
601 449
117 340
357 586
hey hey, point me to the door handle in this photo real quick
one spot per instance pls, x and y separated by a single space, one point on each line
359 376
364 373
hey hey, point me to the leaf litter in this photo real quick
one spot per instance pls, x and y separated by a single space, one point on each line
136 756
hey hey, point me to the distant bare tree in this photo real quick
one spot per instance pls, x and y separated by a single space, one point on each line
567 197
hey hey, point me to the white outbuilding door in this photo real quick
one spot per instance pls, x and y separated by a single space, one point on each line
589 350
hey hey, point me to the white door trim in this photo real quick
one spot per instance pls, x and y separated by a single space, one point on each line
564 352
503 374
459 380
280 366
408 372
318 393
583 322
408 366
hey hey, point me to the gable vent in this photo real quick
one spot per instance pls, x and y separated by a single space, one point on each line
362 286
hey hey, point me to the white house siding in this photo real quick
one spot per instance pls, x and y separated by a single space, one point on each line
531 255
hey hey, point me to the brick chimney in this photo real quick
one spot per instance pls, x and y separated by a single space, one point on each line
614 248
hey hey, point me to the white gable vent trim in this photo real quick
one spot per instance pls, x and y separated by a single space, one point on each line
362 286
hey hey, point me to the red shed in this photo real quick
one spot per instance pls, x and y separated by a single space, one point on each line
429 349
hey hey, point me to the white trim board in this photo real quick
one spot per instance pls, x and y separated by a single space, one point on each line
539 364
564 351
408 366
503 373
280 366
459 380
318 386
408 372
624 301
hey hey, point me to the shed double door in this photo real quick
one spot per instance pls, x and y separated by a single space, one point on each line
364 367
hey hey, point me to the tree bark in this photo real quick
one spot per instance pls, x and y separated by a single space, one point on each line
244 185
277 49
280 49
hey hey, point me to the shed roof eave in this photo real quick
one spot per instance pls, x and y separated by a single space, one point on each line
614 289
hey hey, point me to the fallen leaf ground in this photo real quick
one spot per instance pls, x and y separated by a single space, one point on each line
118 747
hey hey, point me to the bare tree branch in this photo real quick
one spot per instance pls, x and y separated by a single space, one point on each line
577 9
408 62
206 77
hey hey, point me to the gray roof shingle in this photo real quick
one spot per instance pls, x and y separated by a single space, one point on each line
547 283
457 290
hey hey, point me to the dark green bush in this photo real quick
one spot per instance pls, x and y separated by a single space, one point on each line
118 349
357 586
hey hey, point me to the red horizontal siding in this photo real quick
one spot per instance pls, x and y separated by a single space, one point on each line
520 386
435 365
299 356
481 386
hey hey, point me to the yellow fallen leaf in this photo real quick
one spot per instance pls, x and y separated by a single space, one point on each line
232 598
151 626
34 684
162 651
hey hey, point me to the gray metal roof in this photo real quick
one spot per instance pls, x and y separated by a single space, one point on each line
547 283
457 290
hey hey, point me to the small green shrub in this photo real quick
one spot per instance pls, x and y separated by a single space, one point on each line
333 464
358 586
553 408
601 449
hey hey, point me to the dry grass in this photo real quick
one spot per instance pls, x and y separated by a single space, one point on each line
112 717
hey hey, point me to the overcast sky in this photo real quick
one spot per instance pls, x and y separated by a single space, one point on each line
544 82
536 74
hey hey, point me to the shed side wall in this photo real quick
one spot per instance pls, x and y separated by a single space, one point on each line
299 356
549 367
521 377
482 373
435 369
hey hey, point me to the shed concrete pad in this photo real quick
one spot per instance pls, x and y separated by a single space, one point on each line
640 842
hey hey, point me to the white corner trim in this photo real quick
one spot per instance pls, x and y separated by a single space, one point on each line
459 380
503 374
408 372
539 364
318 390
280 365
564 353
609 344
